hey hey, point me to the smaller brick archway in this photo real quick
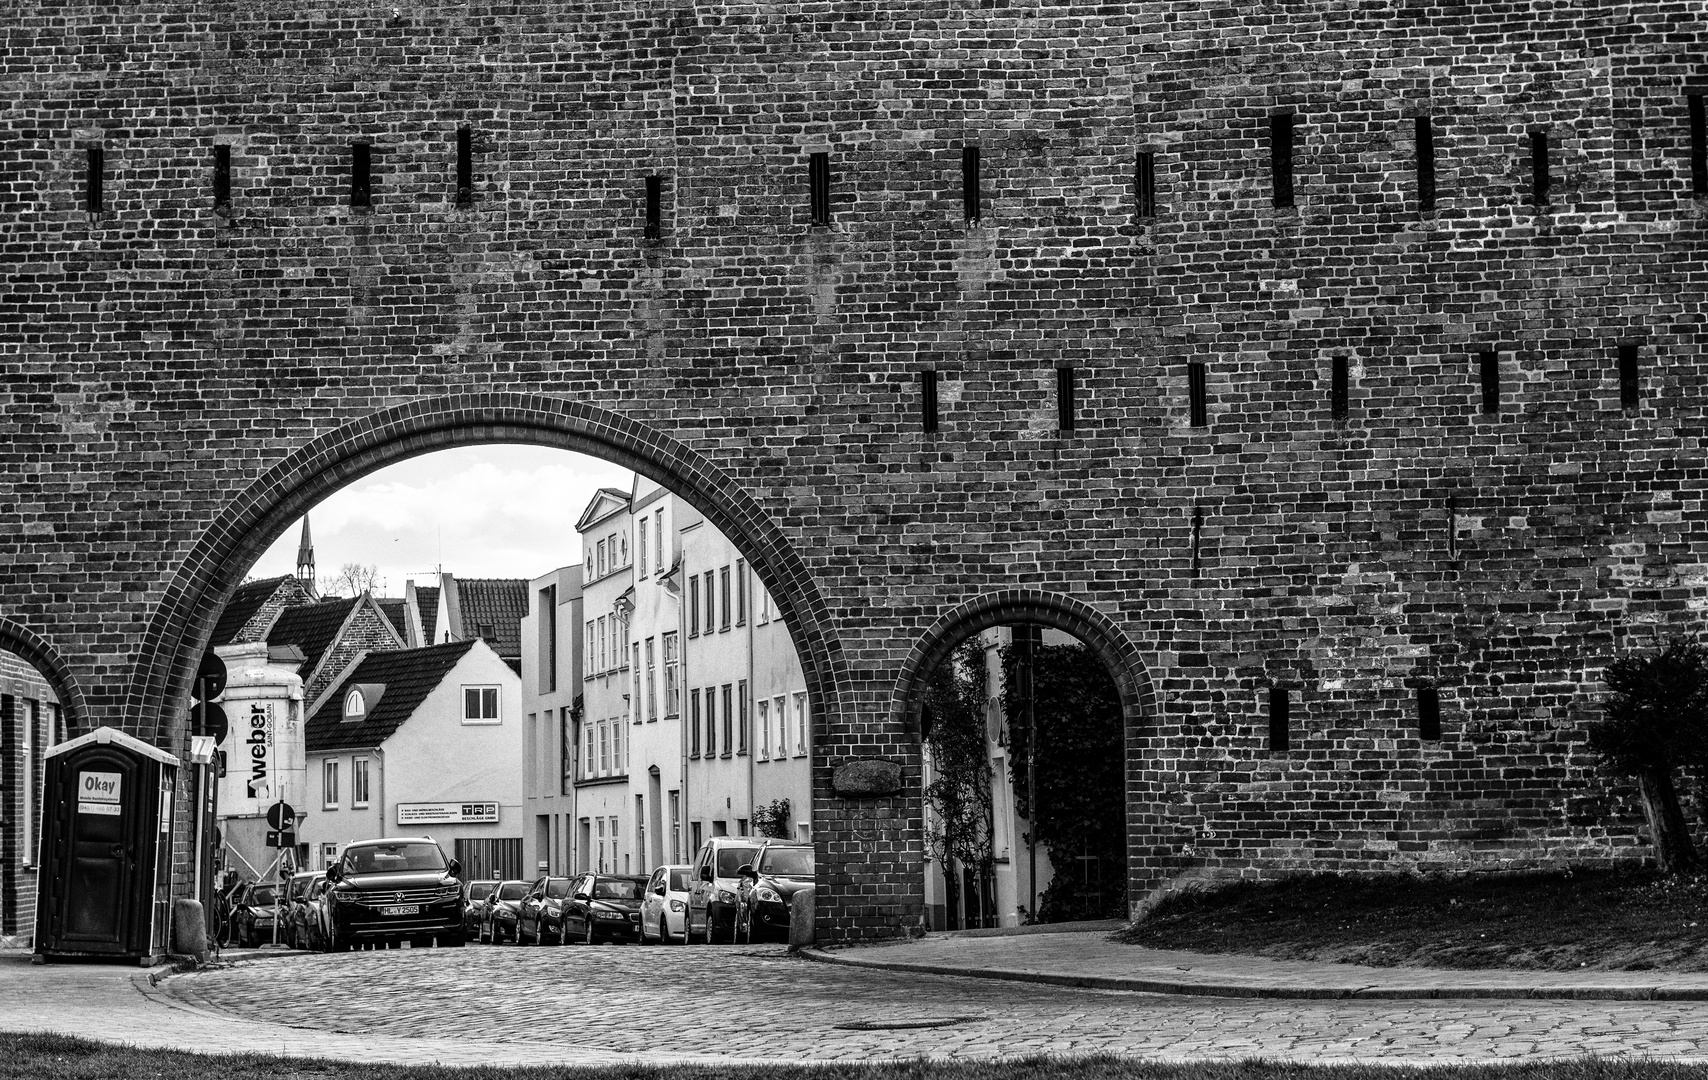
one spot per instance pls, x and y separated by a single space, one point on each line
34 649
1121 658
211 571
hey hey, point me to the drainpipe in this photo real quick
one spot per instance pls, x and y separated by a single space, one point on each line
378 753
744 711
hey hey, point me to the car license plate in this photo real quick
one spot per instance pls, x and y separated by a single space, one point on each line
411 909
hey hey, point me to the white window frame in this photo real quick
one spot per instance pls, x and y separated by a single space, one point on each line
29 710
640 538
361 709
360 786
619 766
780 709
801 723
496 698
329 784
672 685
762 708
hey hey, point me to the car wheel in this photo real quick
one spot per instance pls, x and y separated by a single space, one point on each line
587 937
485 937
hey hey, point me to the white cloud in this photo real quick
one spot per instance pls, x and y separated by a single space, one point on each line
483 511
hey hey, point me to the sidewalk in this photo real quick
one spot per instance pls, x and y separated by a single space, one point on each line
1090 960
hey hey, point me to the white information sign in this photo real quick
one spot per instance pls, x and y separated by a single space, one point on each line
98 793
450 813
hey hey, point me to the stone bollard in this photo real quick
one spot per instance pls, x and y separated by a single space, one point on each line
189 929
803 912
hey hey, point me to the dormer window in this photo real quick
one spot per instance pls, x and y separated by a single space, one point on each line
354 707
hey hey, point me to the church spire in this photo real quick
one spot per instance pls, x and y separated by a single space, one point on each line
305 560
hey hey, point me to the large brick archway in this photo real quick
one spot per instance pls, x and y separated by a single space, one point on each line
1121 657
180 625
32 647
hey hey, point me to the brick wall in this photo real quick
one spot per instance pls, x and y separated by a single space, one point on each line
24 698
171 368
366 630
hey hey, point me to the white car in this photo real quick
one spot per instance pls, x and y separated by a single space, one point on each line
664 908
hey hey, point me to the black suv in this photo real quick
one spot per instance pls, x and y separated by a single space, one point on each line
397 889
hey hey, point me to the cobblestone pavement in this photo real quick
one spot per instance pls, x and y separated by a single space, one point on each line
562 1004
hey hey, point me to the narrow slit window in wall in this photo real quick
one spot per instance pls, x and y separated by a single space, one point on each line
1144 184
1280 737
1540 179
359 177
928 400
654 208
1488 369
1065 398
1339 392
222 178
970 193
1629 390
1698 146
465 167
1197 394
94 165
818 180
1428 713
1197 538
1425 163
1453 527
1281 158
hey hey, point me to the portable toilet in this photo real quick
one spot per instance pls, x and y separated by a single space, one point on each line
106 848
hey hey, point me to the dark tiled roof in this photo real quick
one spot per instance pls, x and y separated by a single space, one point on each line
244 604
427 601
493 608
408 676
394 610
311 628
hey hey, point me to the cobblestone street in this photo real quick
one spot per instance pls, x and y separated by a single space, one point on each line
760 1003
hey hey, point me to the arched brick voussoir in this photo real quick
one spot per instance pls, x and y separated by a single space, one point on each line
1119 654
32 647
180 626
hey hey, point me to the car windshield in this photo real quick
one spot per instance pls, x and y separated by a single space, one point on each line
616 889
786 862
730 859
261 894
512 890
480 890
391 858
678 881
557 888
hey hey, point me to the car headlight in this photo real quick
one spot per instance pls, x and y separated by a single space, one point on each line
769 896
725 896
678 906
615 916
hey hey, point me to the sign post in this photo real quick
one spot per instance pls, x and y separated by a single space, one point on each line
281 817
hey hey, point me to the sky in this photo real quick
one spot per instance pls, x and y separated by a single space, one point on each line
498 511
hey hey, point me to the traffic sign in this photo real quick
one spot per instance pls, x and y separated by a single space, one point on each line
210 721
280 816
281 839
210 678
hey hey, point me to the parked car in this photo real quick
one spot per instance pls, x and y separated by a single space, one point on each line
604 907
784 869
391 890
664 908
501 911
295 929
539 920
713 888
255 909
474 894
314 916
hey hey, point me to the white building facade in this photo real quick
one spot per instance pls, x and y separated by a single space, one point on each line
551 688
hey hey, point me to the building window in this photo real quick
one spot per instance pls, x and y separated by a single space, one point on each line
635 698
587 649
762 713
640 538
654 209
928 400
818 181
599 557
672 692
589 761
970 194
694 723
778 710
723 592
1488 368
764 605
711 721
1339 390
640 832
658 540
1428 713
1280 736
694 605
741 592
1425 132
359 782
1065 399
1144 184
711 600
1698 146
480 705
354 707
651 683
465 167
566 749
222 179
1540 179
676 827
599 824
599 629
548 639
329 784
361 185
30 712
1198 394
604 748
729 719
1281 159
801 716
1629 390
619 763
741 718
94 169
